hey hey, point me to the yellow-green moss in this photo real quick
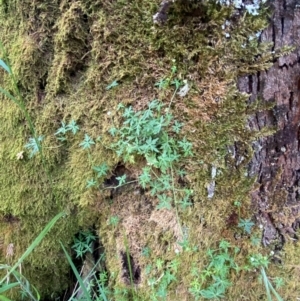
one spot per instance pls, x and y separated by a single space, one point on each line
64 54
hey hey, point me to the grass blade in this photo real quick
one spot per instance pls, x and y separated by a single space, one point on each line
3 91
268 286
102 293
8 287
274 292
3 298
25 286
86 293
266 283
4 66
4 266
128 260
34 244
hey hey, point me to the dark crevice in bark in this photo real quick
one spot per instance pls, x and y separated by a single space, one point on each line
284 4
291 100
258 82
250 83
283 66
282 26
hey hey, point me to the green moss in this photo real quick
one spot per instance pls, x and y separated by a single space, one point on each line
63 60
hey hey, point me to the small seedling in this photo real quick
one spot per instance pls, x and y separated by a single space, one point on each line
159 263
185 244
121 180
164 202
237 204
216 275
83 243
279 282
101 170
114 220
246 225
163 277
177 83
72 126
62 130
91 183
177 127
255 240
146 252
34 145
162 84
87 142
148 269
112 85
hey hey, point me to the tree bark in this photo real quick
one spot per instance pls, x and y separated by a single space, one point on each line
276 161
162 14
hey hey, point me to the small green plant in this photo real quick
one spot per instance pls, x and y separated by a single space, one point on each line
255 240
112 85
87 142
146 252
33 145
186 246
87 284
166 82
83 243
279 282
162 276
246 225
150 135
121 180
101 170
72 127
121 294
238 205
114 220
213 281
91 183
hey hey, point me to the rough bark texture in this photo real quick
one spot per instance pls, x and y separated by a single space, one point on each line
276 162
162 14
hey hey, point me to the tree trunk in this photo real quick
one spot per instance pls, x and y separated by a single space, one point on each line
276 161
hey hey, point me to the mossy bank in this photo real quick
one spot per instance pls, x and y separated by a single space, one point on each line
65 55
